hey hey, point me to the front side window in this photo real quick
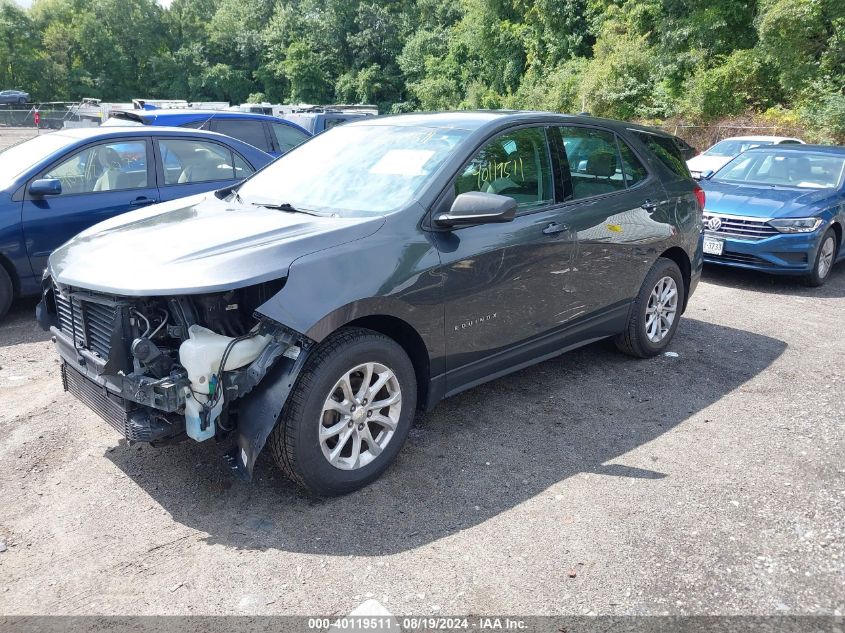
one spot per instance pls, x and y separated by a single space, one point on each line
355 170
105 167
516 165
251 132
198 161
287 137
594 164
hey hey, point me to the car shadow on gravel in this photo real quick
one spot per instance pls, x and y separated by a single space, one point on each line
776 284
476 455
20 326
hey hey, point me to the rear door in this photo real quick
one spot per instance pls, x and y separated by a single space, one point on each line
618 212
99 181
189 166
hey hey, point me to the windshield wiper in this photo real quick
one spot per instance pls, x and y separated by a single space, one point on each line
285 206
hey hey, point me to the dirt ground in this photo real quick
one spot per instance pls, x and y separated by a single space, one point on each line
711 482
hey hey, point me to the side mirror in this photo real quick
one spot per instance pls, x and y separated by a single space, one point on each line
477 207
45 187
707 174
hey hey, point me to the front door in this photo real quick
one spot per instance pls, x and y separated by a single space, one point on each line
505 285
99 181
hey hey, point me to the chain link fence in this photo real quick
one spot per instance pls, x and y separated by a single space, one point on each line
52 115
703 136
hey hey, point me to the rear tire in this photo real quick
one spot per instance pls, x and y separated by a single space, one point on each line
330 439
7 292
654 314
825 258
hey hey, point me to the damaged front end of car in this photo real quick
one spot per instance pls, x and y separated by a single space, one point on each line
166 369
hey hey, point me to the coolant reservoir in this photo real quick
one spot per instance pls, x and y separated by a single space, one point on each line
200 355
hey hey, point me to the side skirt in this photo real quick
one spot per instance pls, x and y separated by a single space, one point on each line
554 343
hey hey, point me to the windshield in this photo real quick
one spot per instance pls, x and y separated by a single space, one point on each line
789 169
732 147
353 171
17 159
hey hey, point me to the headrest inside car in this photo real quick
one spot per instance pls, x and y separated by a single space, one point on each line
602 164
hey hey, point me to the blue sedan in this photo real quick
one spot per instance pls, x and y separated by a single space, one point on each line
56 185
778 209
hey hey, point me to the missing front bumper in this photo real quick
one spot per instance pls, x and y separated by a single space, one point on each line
136 424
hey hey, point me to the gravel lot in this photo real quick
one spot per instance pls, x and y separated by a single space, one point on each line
712 482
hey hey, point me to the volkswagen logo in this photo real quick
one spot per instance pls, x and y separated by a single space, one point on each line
714 223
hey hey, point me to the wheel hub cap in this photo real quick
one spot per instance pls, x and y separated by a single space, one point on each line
662 309
360 416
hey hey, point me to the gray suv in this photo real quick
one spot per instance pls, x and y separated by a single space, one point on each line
369 273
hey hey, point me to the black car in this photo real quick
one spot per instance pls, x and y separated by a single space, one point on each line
373 271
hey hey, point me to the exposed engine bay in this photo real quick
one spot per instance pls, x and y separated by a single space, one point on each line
162 368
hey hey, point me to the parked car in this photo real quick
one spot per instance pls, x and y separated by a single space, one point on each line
55 185
380 267
778 209
270 134
317 120
17 97
715 157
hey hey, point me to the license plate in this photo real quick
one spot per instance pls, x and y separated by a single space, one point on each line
713 246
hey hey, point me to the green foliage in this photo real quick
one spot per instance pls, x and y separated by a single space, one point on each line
619 58
742 81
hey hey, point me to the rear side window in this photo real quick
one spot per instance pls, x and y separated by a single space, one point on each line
666 151
515 164
287 137
251 132
196 125
188 162
633 169
594 164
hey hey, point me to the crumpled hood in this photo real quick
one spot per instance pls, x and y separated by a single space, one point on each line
763 201
196 245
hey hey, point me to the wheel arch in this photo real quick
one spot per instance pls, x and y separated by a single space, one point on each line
409 340
680 257
6 263
837 231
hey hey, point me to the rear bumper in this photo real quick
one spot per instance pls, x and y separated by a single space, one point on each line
784 254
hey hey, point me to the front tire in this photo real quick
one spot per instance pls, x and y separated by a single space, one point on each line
654 315
348 414
825 257
7 292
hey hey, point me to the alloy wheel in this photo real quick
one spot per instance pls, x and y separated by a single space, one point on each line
661 310
826 257
360 416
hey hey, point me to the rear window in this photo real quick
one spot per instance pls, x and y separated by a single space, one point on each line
251 132
287 137
667 151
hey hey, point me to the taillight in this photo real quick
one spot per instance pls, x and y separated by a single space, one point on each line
699 195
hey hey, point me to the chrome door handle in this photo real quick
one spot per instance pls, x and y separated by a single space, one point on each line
554 228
